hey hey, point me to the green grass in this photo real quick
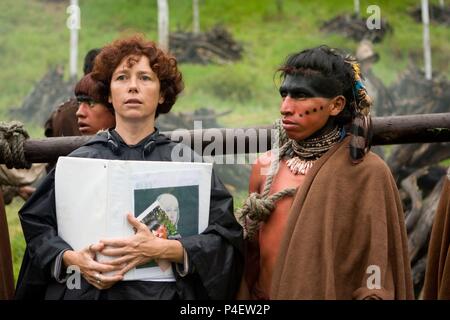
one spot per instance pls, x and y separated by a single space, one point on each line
33 37
15 234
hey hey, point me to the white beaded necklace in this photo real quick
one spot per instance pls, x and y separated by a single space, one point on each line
304 153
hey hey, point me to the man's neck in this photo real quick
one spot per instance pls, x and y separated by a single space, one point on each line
325 129
133 132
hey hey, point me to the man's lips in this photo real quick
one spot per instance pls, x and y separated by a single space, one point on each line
289 124
83 126
287 121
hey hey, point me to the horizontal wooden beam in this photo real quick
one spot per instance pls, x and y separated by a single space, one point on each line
387 130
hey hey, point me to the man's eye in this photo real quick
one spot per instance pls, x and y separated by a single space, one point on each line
299 95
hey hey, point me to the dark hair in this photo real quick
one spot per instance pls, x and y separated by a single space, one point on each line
94 89
163 64
332 68
89 60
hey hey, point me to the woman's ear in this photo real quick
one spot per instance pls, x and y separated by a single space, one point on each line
161 99
109 99
337 105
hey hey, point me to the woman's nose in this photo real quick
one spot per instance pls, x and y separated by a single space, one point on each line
132 84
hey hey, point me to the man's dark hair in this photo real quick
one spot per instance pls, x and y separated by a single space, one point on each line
89 60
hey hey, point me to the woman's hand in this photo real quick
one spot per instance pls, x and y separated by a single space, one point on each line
140 248
90 269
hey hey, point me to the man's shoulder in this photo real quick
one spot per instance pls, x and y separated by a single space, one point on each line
374 162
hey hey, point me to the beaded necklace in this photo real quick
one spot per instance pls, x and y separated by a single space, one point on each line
304 153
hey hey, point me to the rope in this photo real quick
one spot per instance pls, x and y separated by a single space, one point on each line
257 207
12 138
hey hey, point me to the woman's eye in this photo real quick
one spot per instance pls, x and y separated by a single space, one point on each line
146 78
120 77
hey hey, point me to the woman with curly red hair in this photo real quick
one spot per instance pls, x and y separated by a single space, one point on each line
142 81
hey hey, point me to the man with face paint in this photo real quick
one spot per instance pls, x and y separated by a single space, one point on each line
324 219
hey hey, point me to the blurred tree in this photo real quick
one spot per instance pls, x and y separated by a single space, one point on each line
357 7
163 24
426 39
279 6
195 17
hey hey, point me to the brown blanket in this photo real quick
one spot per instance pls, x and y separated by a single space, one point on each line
346 224
437 276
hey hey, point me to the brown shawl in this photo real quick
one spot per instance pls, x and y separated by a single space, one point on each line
344 219
437 276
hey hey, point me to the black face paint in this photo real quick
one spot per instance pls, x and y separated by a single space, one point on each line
299 86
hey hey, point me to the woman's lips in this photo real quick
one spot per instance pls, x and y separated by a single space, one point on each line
133 101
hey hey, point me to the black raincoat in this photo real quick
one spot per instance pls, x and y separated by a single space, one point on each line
215 256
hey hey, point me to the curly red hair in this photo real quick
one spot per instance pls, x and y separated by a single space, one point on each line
163 64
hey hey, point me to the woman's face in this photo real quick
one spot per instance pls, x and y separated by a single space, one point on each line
135 91
93 117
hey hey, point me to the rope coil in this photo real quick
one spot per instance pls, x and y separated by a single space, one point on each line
12 138
257 207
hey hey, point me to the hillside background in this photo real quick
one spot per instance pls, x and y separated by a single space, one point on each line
34 37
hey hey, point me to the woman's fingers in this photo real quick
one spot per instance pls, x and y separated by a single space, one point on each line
115 252
120 261
101 281
115 242
135 222
102 267
98 247
127 268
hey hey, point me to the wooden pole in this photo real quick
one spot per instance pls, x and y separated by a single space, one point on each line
195 17
73 23
421 128
356 7
163 24
426 39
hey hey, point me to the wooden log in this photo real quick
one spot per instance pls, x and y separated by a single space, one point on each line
417 128
387 130
418 237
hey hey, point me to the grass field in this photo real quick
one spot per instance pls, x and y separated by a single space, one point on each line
33 37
